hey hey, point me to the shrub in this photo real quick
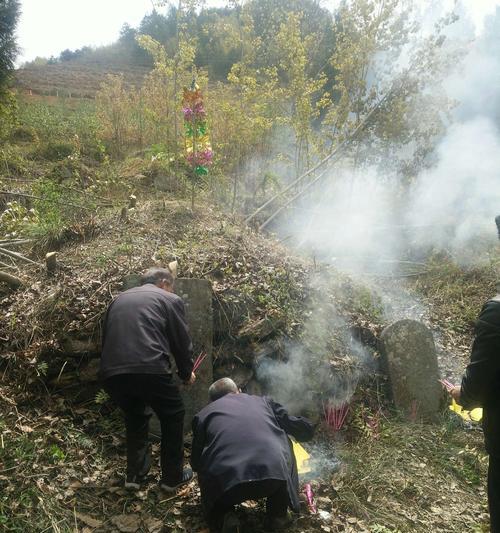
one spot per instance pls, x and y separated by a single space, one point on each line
16 219
56 151
23 134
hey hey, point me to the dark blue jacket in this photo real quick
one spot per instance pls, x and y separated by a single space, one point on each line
481 382
240 438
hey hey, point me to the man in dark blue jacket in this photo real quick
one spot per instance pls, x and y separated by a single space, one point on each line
481 388
143 328
241 451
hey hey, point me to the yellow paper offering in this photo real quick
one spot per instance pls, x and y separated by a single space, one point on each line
470 416
302 458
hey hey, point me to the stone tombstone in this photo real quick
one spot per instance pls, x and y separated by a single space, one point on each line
409 357
197 296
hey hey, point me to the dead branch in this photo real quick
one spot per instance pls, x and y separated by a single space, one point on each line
15 255
11 280
15 242
24 195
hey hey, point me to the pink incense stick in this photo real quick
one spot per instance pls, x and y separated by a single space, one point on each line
198 361
335 416
448 385
310 498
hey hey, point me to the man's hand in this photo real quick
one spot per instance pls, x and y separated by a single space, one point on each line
191 380
455 393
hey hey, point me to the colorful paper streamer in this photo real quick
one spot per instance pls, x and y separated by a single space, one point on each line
197 141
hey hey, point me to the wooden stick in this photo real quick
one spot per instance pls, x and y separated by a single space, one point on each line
16 255
11 280
15 242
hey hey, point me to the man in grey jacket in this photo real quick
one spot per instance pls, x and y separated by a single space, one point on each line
145 326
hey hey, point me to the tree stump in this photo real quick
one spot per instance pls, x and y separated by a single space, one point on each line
51 262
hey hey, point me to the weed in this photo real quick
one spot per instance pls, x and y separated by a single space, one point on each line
55 454
101 397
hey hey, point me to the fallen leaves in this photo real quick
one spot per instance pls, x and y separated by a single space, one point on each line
126 523
89 520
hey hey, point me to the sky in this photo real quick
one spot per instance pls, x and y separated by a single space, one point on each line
47 27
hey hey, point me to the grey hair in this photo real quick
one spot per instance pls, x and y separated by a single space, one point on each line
156 275
221 387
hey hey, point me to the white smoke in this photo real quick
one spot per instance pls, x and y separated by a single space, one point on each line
462 191
361 220
324 366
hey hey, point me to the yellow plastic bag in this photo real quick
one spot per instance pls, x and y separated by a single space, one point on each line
302 458
470 416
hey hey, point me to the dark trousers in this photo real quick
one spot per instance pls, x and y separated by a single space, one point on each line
494 493
274 490
136 395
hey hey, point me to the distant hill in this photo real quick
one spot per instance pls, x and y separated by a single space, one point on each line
75 80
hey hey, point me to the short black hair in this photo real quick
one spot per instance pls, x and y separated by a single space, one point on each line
221 387
156 275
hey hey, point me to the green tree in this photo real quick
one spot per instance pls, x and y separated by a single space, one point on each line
9 15
388 76
302 91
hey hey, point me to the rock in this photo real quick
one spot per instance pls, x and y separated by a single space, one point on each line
258 329
166 183
197 296
409 357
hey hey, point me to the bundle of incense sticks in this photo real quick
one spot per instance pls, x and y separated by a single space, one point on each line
448 385
198 361
335 416
310 498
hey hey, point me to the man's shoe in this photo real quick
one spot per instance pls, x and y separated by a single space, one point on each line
277 523
231 523
134 482
187 476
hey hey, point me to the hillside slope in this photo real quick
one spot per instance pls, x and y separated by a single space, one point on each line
76 80
62 451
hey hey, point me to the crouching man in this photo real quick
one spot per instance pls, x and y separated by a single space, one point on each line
241 452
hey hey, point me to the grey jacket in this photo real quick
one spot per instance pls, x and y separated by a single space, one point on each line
142 328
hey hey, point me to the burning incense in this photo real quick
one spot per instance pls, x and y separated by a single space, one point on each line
198 361
310 498
335 416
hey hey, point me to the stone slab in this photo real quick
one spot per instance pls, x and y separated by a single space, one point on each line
409 357
197 296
